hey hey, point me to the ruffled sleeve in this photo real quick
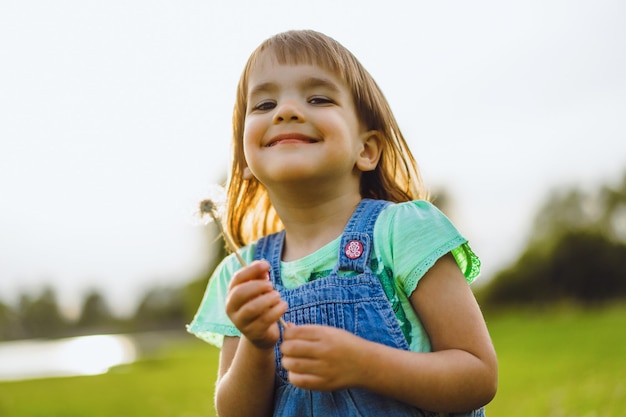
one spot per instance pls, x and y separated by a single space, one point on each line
211 323
412 236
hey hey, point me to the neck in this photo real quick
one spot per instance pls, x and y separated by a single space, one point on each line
312 221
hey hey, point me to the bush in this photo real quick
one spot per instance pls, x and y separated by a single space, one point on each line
582 267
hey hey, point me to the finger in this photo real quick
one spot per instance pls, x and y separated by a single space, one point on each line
244 292
252 304
262 329
310 382
257 270
301 348
269 318
309 332
260 305
277 311
300 365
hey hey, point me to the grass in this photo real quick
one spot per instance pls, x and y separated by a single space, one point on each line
560 362
177 381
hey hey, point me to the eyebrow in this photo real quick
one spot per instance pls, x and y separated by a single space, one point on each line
309 82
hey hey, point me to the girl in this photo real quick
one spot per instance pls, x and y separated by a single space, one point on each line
326 200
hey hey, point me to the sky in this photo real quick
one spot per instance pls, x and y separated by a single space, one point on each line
115 121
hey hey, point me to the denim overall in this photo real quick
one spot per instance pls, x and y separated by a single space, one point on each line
357 304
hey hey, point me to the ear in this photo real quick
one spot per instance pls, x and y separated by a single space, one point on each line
370 154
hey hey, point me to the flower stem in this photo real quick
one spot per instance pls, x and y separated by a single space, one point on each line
209 207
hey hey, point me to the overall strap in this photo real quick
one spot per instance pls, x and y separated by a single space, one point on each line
270 248
356 243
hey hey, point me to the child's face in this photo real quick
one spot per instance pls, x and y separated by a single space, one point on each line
301 124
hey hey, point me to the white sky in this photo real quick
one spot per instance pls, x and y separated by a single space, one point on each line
115 119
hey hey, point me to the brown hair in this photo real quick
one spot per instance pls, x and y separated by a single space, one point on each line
396 178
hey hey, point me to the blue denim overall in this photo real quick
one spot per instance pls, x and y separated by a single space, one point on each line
357 304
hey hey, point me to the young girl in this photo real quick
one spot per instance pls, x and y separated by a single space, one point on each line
372 280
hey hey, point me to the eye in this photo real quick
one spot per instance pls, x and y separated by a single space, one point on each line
264 105
320 100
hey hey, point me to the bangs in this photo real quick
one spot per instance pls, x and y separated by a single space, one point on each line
304 48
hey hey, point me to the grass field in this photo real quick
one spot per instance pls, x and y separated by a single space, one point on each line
557 363
561 363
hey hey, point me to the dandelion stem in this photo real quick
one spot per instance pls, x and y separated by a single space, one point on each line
229 240
209 207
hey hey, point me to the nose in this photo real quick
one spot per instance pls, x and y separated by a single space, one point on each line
288 111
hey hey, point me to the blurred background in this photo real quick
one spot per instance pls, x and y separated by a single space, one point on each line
115 122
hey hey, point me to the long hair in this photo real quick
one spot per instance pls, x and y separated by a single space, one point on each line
396 178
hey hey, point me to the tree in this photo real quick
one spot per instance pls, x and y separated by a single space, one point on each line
161 308
10 327
95 313
570 210
612 221
581 267
40 316
577 252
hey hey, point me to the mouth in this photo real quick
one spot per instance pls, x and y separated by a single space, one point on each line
289 138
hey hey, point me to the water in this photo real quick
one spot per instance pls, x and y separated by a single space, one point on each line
85 355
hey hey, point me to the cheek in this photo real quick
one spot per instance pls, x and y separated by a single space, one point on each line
253 131
252 137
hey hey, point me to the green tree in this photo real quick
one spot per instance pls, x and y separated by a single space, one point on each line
95 313
10 327
581 267
577 251
601 211
612 221
161 308
40 315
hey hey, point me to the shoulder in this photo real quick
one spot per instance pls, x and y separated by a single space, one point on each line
413 229
410 237
414 215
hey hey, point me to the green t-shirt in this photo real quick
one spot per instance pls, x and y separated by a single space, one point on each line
408 239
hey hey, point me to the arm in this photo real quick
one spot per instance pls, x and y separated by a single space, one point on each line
245 384
245 387
460 374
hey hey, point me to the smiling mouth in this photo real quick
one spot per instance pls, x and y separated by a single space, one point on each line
289 138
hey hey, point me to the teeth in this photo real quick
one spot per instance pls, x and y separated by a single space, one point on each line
274 143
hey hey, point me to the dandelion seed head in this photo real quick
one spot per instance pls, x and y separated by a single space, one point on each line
213 207
207 206
207 212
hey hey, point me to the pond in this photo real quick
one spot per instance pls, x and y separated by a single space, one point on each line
85 355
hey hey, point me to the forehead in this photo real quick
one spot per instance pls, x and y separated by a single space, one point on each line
301 53
268 70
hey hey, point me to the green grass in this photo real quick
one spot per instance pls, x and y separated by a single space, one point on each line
176 382
554 363
560 363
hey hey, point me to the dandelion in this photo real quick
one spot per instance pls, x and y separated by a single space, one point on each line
214 208
211 208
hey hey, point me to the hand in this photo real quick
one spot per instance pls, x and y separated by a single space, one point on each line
254 306
321 358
